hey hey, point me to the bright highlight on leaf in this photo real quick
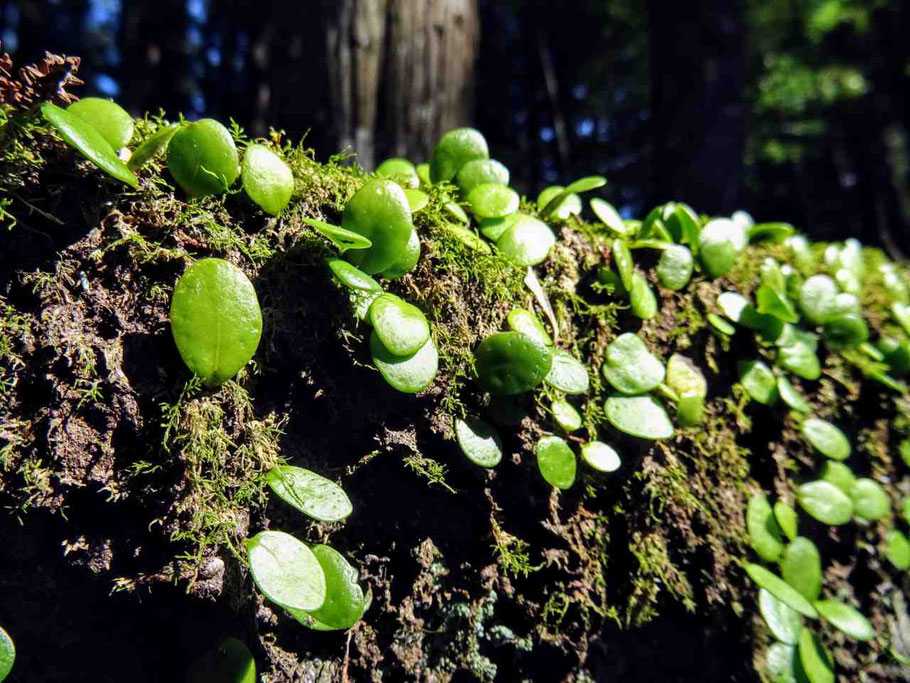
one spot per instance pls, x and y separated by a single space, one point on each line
312 494
286 571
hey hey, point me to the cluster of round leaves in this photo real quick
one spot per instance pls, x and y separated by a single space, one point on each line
201 156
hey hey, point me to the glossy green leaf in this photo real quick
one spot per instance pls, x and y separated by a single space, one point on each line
826 438
481 172
80 135
494 228
642 298
609 216
622 258
7 654
780 663
896 353
511 363
456 212
817 663
423 173
107 117
417 200
565 415
401 327
732 305
690 409
870 500
674 269
765 535
380 212
230 662
400 170
363 288
720 324
202 158
215 320
684 377
570 205
801 360
343 239
773 302
154 144
523 320
801 567
454 150
845 618
493 201
720 243
770 232
527 242
407 259
839 474
758 381
784 622
600 456
556 462
478 441
567 374
791 396
897 549
641 416
780 589
267 180
408 374
817 299
344 599
630 367
581 185
845 332
683 224
786 519
312 494
286 571
825 502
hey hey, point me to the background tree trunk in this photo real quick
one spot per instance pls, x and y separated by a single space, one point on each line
400 73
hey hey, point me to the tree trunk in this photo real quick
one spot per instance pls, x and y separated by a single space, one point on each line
400 73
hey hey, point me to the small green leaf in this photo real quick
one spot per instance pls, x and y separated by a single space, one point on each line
230 662
641 416
721 325
344 600
826 438
407 259
607 215
478 441
570 205
400 170
786 519
818 666
897 549
776 303
684 225
567 374
341 238
202 158
690 409
286 571
800 359
758 381
784 622
455 211
770 232
527 242
409 374
622 257
765 535
107 117
455 149
825 502
267 180
401 327
674 269
215 320
581 185
154 144
312 494
524 321
780 662
870 501
630 367
493 201
791 396
684 376
781 590
817 299
80 135
482 172
565 415
494 228
363 288
845 618
720 243
845 332
839 474
600 456
417 200
641 297
7 654
801 567
556 462
380 212
511 363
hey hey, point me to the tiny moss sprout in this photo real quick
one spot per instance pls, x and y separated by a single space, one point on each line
202 158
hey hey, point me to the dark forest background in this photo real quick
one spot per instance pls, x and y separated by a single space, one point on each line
793 110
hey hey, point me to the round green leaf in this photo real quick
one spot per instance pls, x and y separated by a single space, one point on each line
800 359
825 502
482 172
417 200
402 327
569 204
600 456
817 664
478 441
845 332
344 600
758 381
454 150
202 158
406 261
845 618
784 622
896 353
870 501
494 228
826 438
791 396
286 571
720 243
400 170
684 376
897 549
780 660
312 494
780 590
408 374
630 367
765 535
801 567
267 180
733 305
556 462
380 212
363 288
493 201
524 321
622 257
839 474
151 146
609 216
107 117
773 302
642 298
817 299
690 409
7 654
511 363
565 415
80 135
215 320
641 416
786 519
230 662
455 211
423 173
674 269
567 374
527 242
